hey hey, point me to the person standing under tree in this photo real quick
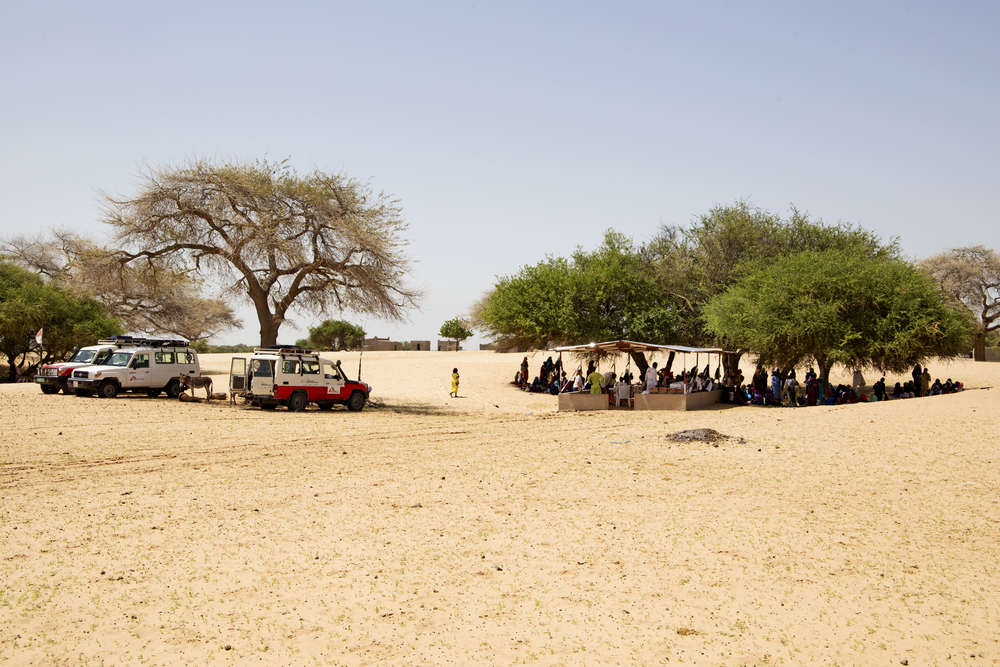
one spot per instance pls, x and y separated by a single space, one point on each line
454 383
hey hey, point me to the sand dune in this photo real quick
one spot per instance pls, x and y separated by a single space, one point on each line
489 529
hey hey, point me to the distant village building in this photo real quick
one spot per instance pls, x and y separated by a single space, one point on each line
448 346
488 346
420 345
377 344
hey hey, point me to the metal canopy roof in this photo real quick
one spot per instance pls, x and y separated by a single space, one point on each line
626 346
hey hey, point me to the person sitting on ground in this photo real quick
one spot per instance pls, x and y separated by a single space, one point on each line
776 386
948 387
936 387
958 386
536 386
897 391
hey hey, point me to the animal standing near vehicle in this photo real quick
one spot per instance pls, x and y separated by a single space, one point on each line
201 382
294 377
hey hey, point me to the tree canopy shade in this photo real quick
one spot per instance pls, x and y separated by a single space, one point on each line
455 330
337 335
274 237
838 307
28 304
151 297
695 263
608 294
971 277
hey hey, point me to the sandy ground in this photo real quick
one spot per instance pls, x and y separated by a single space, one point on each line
490 530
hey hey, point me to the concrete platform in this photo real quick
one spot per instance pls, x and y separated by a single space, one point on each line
582 401
683 402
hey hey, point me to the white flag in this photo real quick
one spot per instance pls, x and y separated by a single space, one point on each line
38 336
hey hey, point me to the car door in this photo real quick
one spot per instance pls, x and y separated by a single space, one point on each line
334 381
138 371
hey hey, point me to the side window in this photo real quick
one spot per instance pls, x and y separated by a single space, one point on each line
330 372
102 357
290 367
164 357
185 357
310 367
140 361
260 368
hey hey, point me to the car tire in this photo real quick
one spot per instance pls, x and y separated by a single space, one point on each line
297 402
356 403
67 390
153 393
108 389
49 388
173 389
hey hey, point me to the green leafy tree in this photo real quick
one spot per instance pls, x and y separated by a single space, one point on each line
971 277
838 307
336 335
27 304
608 294
455 330
696 263
273 237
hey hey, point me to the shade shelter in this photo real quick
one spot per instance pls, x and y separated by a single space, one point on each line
670 400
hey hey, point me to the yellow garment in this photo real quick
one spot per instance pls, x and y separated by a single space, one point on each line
595 380
454 383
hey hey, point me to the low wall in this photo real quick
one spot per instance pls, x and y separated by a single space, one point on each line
683 402
578 400
993 354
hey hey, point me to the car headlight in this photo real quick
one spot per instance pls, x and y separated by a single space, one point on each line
97 375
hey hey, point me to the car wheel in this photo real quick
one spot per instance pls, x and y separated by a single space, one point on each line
83 392
153 393
49 388
356 402
297 402
173 389
267 406
67 390
108 389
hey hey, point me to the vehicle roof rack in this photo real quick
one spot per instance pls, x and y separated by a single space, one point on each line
285 349
164 342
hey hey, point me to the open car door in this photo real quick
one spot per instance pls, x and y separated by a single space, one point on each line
238 376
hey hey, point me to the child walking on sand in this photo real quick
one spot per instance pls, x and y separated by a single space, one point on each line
454 383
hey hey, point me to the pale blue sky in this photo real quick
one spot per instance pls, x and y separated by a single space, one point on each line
517 129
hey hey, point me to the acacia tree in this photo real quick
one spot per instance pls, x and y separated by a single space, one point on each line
838 307
273 237
971 277
150 297
455 330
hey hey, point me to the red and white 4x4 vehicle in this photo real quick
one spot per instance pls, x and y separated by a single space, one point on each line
53 377
294 377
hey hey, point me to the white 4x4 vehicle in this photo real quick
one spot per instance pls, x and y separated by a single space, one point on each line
294 377
53 377
152 367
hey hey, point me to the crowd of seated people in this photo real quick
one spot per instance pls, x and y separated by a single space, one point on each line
763 389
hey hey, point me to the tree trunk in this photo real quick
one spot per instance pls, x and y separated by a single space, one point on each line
670 361
979 351
640 362
730 364
269 330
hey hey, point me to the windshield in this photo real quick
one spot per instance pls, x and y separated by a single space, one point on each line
119 359
84 356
